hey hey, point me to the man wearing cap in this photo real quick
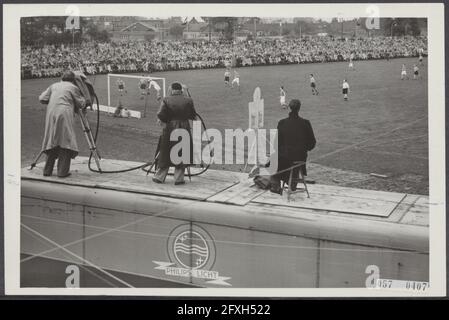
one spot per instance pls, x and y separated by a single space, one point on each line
295 139
174 113
63 100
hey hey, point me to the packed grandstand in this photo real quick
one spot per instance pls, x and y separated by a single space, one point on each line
149 56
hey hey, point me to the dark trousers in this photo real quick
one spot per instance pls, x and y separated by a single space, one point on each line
276 180
64 157
161 174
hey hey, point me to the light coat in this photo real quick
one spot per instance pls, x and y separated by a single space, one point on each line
62 99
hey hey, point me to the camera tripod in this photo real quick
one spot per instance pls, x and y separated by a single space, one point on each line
90 139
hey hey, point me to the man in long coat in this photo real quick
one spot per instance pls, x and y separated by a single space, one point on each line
63 100
295 139
174 113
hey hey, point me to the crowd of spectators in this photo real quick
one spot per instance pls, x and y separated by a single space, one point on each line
139 56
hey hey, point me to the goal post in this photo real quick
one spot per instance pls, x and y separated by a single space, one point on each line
124 90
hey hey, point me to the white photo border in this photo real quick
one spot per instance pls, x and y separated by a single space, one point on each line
434 12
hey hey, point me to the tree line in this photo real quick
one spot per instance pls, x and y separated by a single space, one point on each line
37 31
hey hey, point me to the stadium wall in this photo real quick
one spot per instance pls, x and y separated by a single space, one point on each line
245 246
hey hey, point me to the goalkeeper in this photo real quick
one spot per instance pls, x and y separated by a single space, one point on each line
156 86
145 84
150 84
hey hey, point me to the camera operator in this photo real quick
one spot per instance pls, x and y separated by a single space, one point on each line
175 112
63 100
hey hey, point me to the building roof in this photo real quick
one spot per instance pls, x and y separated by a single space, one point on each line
139 26
197 27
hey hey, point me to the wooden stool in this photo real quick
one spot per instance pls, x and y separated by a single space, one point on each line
291 180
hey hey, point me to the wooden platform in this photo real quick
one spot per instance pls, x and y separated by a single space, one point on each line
338 199
200 188
235 189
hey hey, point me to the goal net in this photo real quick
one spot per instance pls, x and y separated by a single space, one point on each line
134 95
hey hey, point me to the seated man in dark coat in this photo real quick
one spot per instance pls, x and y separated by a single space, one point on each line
175 112
295 139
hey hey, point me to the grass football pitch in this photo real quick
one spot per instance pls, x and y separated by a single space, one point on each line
382 128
